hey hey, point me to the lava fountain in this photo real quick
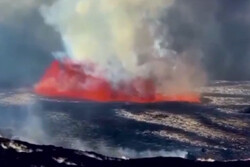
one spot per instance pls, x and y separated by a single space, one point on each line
114 50
68 80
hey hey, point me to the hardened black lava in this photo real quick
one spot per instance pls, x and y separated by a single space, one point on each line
17 153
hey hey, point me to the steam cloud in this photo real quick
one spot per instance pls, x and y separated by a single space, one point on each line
219 29
124 38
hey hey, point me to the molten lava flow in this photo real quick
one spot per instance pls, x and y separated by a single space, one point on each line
67 80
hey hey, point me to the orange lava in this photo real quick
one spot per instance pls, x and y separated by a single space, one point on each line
68 80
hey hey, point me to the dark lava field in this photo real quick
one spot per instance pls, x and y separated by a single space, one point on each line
216 129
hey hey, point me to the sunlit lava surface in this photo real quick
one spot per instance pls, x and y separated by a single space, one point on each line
69 80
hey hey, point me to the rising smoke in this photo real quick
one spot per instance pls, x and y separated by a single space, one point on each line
124 39
219 29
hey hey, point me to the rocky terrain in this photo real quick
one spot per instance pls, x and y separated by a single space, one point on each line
215 130
17 153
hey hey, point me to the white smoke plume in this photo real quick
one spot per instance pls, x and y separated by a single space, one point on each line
122 38
120 152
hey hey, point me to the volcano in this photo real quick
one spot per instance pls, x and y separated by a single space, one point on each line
72 81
